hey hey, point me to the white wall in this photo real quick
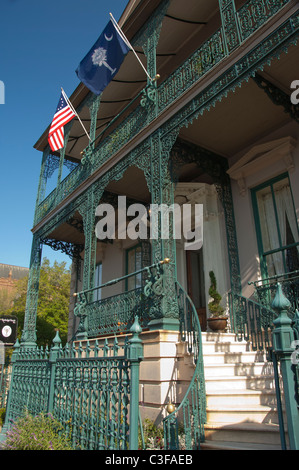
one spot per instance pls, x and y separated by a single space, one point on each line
245 224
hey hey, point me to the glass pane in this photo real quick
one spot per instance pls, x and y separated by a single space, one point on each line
288 226
131 269
134 260
98 282
267 218
138 266
279 227
275 264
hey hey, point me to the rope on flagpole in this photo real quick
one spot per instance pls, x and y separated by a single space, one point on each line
130 46
74 111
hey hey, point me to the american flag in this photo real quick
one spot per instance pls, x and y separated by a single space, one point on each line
63 115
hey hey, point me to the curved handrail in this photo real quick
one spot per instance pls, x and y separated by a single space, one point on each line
251 321
191 413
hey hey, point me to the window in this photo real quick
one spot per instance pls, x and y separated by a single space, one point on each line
97 282
277 227
137 257
133 264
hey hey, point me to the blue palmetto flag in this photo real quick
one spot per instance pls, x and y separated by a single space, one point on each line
103 60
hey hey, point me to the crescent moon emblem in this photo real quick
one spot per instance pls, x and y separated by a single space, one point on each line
108 39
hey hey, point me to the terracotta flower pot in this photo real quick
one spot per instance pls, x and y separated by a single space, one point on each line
217 323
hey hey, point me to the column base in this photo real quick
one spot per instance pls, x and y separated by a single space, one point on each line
164 324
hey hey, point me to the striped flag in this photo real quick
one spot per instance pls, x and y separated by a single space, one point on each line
63 115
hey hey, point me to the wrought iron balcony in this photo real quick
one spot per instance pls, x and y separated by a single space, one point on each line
249 18
116 314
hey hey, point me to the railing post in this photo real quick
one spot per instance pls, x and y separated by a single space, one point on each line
54 354
135 355
283 337
230 24
14 358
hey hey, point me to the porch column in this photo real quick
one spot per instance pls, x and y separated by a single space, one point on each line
48 166
29 331
62 152
226 198
43 177
148 39
162 192
93 111
87 210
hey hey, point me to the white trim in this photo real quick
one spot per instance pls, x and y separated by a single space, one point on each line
263 156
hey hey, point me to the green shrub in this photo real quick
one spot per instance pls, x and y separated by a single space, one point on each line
153 436
41 432
2 416
214 306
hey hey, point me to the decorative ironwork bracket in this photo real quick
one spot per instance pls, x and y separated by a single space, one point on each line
154 283
149 94
73 251
277 96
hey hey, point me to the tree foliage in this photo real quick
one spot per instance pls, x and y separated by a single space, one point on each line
53 302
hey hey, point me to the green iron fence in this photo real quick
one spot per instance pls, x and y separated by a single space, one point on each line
184 427
88 388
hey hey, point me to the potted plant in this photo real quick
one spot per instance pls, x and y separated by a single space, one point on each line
217 321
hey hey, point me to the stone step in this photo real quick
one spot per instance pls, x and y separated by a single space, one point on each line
240 391
243 433
233 357
213 445
239 413
238 369
217 398
224 347
219 337
250 382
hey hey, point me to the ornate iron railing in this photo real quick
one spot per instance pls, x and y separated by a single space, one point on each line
116 314
88 388
265 289
251 16
209 54
254 13
184 427
91 396
251 321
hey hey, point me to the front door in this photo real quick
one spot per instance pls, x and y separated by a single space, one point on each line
196 284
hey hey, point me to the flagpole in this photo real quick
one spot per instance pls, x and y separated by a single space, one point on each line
129 45
73 109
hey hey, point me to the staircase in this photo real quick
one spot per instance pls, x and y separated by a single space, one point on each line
241 399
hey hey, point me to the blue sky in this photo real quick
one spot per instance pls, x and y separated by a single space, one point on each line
41 44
